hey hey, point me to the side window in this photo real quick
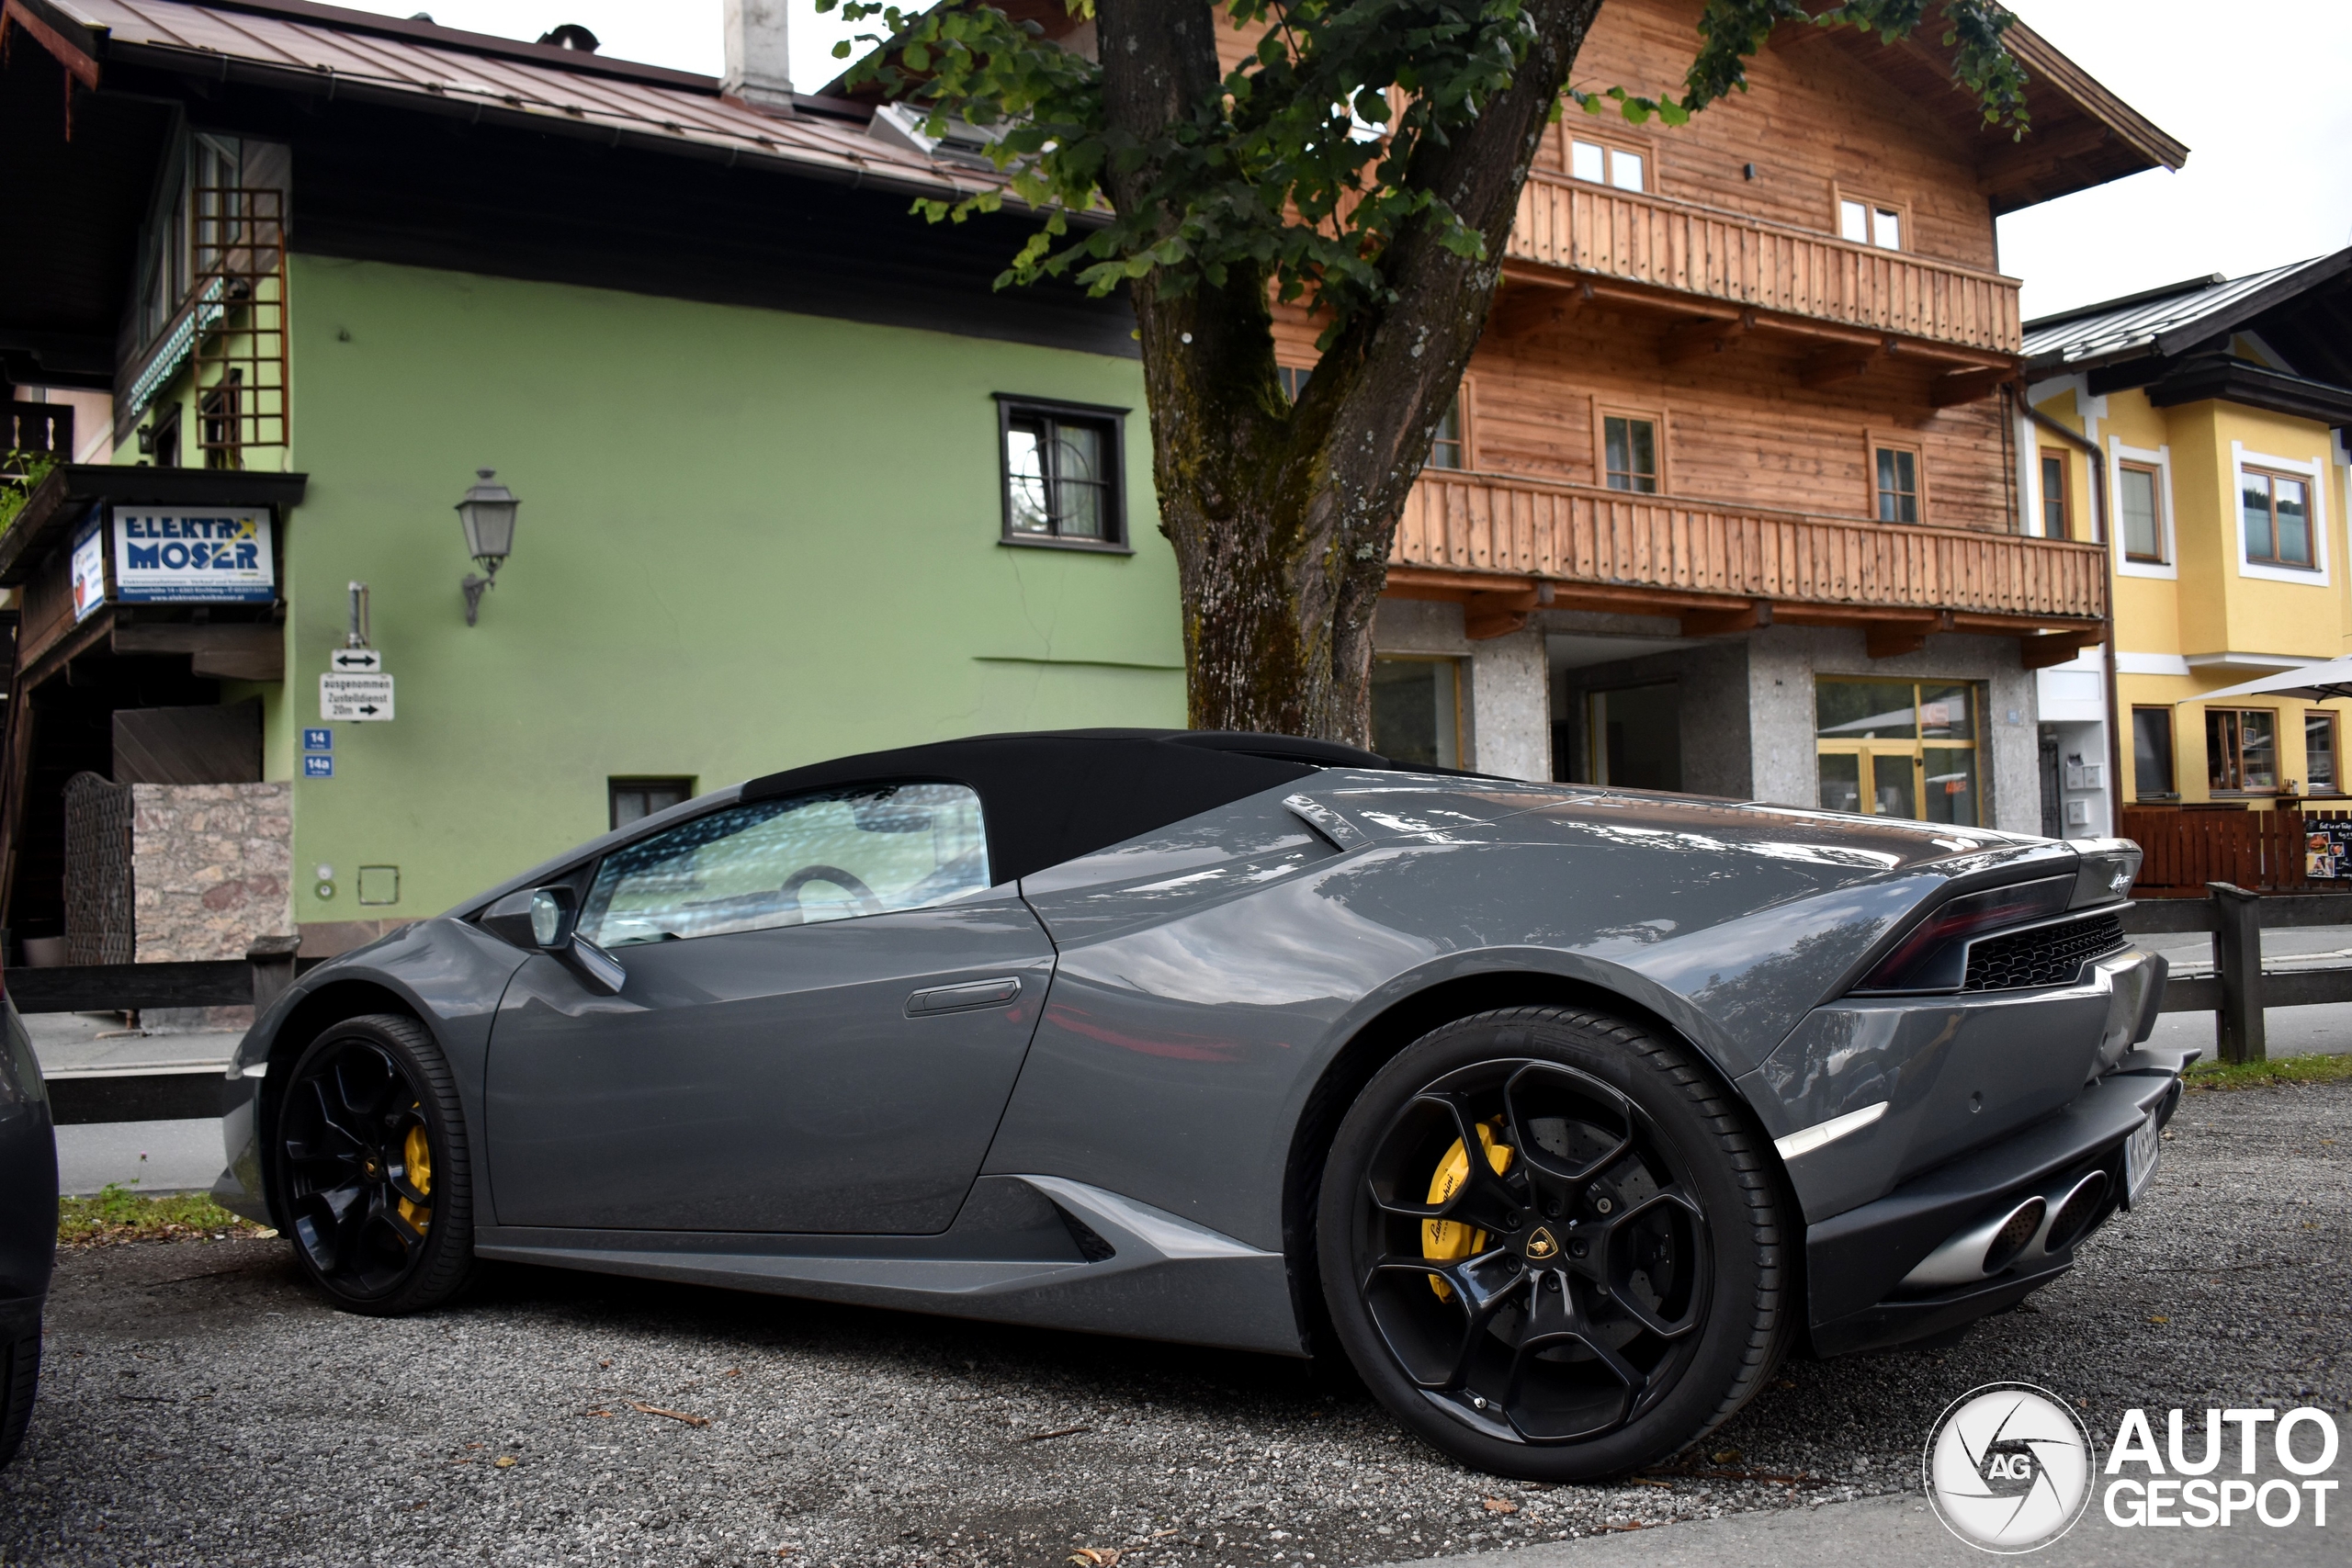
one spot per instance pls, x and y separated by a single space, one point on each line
830 856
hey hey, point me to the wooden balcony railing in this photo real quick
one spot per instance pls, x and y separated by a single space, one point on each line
1642 239
1575 534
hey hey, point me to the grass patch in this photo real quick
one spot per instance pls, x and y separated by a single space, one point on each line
2254 1075
118 1214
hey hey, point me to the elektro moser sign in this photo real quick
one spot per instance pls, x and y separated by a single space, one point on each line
215 556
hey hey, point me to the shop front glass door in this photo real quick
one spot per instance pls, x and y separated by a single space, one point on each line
1900 749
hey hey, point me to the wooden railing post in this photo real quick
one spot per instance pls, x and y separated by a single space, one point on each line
2237 963
272 958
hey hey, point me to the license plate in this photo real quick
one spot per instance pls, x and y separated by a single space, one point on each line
2139 1160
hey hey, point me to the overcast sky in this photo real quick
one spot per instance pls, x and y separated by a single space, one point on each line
2269 174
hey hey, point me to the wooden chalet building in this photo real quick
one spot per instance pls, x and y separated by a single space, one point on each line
1730 501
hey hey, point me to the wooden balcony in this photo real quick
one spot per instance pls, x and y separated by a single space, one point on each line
1505 545
1703 255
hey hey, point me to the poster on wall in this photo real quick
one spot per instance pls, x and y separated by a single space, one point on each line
2327 849
88 568
215 556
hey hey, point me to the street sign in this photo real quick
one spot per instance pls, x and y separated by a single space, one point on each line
356 662
362 699
318 766
318 740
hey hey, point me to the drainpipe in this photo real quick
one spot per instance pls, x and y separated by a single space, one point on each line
2107 550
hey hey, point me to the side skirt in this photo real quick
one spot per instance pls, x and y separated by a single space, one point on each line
1038 1250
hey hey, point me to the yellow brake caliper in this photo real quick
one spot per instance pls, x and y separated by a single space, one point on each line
1450 1241
416 1156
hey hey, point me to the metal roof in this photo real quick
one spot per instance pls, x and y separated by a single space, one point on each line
2166 322
326 48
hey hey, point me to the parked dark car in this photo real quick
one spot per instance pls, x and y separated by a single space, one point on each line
27 1225
1564 1112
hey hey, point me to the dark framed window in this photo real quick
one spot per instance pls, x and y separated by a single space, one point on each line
633 798
1447 448
2152 774
1063 479
1895 473
2321 775
1629 453
1417 710
1293 378
2278 518
2242 748
2144 523
2054 496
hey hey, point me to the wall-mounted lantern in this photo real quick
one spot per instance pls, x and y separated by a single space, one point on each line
487 516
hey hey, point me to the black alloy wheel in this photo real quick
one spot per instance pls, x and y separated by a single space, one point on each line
373 1167
1596 1285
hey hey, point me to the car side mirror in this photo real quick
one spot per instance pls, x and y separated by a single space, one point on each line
554 912
546 919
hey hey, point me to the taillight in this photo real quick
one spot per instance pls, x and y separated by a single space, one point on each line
1934 958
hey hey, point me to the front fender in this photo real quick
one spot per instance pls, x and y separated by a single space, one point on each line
449 973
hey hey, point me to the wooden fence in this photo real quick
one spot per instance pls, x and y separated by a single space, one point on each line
2186 851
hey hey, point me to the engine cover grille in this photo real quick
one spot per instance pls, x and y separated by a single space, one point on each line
2047 955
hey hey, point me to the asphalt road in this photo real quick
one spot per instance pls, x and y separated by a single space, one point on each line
201 1406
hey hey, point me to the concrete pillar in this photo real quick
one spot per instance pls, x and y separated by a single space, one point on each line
1510 706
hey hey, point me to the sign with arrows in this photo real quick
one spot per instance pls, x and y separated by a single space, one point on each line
359 699
356 662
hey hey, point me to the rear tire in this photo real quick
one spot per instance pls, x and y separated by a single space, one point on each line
1609 1284
374 1168
19 1380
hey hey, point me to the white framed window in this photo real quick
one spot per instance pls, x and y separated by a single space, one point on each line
2127 537
1604 165
1867 221
2275 479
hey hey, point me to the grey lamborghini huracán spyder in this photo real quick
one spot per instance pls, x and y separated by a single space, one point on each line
1563 1112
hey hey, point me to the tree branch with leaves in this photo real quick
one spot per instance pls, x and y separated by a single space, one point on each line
1364 162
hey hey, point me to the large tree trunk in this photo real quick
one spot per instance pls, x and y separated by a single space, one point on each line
1282 517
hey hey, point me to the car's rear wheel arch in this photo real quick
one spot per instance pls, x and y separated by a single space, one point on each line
1372 1046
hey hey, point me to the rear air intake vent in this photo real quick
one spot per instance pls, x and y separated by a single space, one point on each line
2046 955
1090 1245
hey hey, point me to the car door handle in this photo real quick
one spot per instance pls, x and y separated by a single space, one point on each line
956 999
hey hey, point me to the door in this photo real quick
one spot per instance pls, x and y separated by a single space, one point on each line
825 1011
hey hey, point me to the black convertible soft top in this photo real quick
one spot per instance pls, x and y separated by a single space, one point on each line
1051 796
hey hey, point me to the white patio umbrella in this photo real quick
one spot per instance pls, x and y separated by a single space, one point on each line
2315 683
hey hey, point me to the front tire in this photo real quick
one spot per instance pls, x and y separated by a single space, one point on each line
375 1167
1600 1283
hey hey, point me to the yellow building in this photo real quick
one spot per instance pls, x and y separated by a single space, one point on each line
2200 431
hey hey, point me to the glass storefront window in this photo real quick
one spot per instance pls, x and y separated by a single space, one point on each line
1416 708
1867 710
1841 781
1900 749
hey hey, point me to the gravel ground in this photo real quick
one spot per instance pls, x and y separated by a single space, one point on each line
201 1406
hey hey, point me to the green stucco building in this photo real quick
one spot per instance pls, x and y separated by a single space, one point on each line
794 478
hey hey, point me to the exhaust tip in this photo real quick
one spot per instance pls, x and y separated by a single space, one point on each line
2077 1212
2017 1228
